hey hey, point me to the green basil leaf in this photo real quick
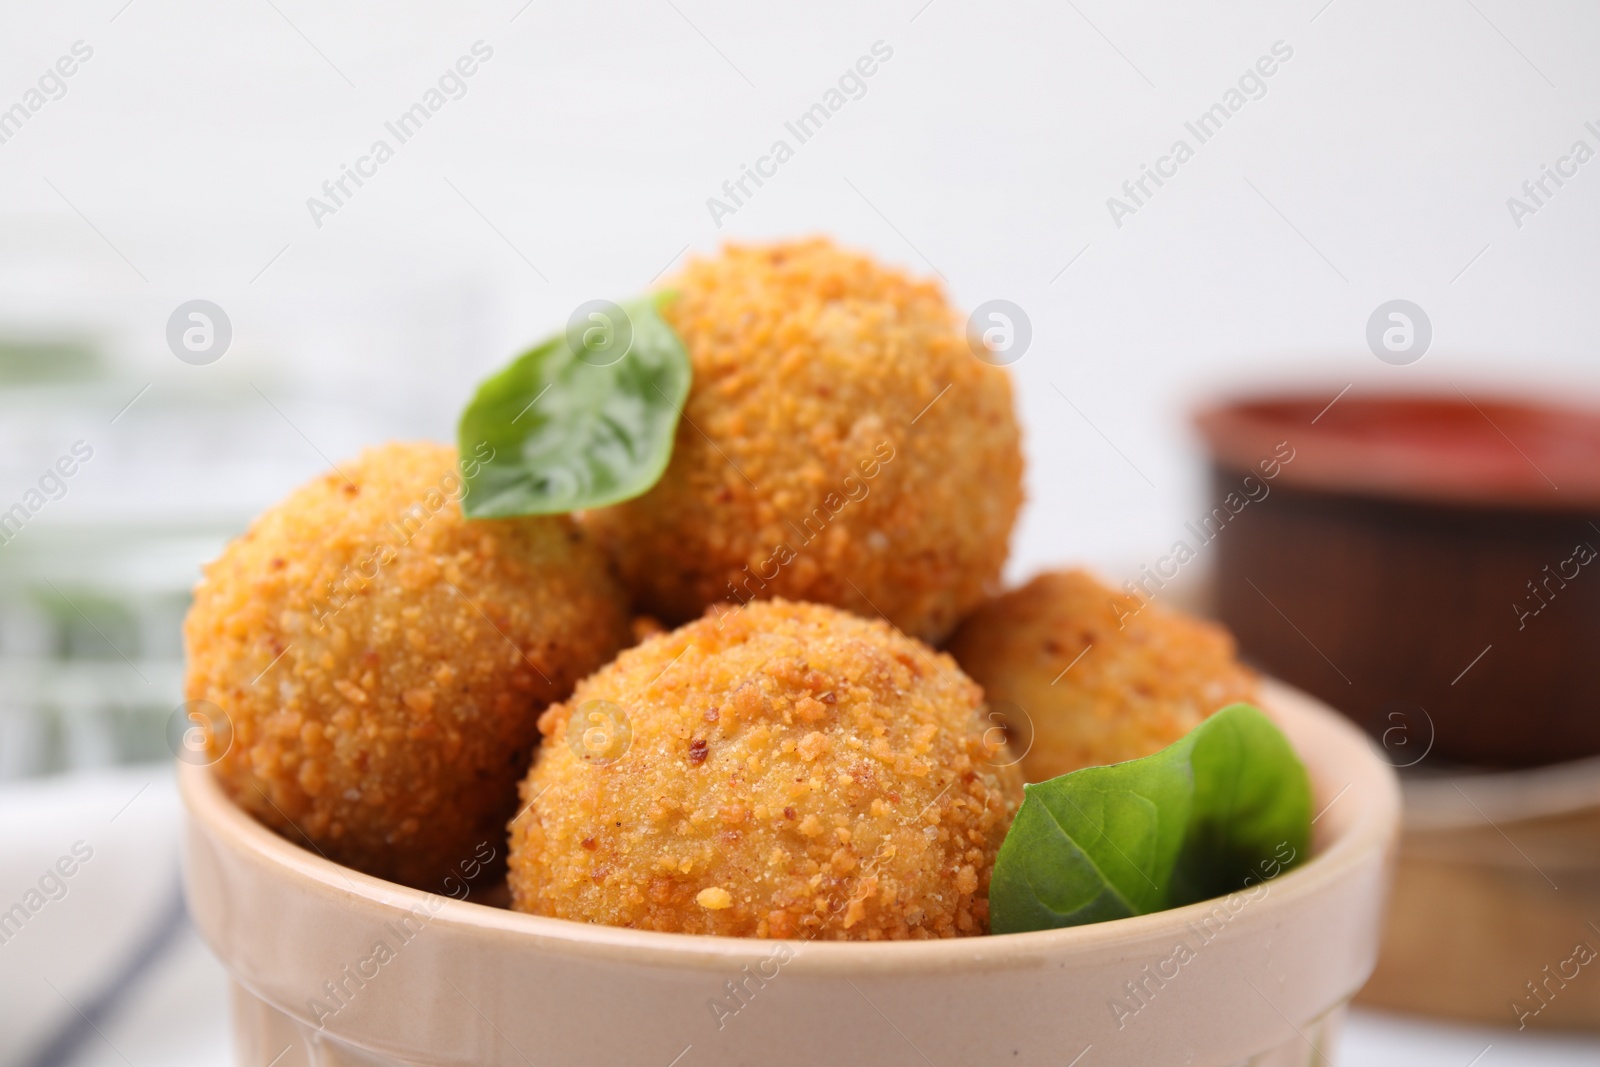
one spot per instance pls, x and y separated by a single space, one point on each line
1225 807
585 419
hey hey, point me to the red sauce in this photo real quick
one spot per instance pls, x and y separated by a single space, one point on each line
1474 449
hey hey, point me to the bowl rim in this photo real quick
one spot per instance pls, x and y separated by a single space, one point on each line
1370 823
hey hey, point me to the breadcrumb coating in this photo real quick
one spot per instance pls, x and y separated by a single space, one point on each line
1146 675
783 770
383 661
841 444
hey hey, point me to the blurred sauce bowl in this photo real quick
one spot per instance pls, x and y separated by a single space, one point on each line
1428 564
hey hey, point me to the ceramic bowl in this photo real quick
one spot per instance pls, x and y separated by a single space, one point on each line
332 967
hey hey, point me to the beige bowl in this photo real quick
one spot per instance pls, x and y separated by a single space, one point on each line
335 967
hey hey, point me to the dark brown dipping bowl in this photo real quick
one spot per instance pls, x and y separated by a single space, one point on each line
1430 565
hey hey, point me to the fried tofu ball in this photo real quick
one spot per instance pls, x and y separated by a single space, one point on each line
841 444
1085 675
382 662
783 770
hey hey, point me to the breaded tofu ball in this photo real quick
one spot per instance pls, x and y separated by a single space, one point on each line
841 444
1085 675
382 662
783 770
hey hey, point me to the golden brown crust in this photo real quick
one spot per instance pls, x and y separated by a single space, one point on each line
841 444
383 661
793 771
1148 677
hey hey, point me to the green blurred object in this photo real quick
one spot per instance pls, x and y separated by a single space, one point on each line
25 362
91 667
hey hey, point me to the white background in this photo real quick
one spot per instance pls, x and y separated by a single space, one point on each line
579 162
1381 159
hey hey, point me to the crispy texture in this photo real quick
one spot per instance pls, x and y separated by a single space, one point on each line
1140 687
392 731
802 468
794 772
